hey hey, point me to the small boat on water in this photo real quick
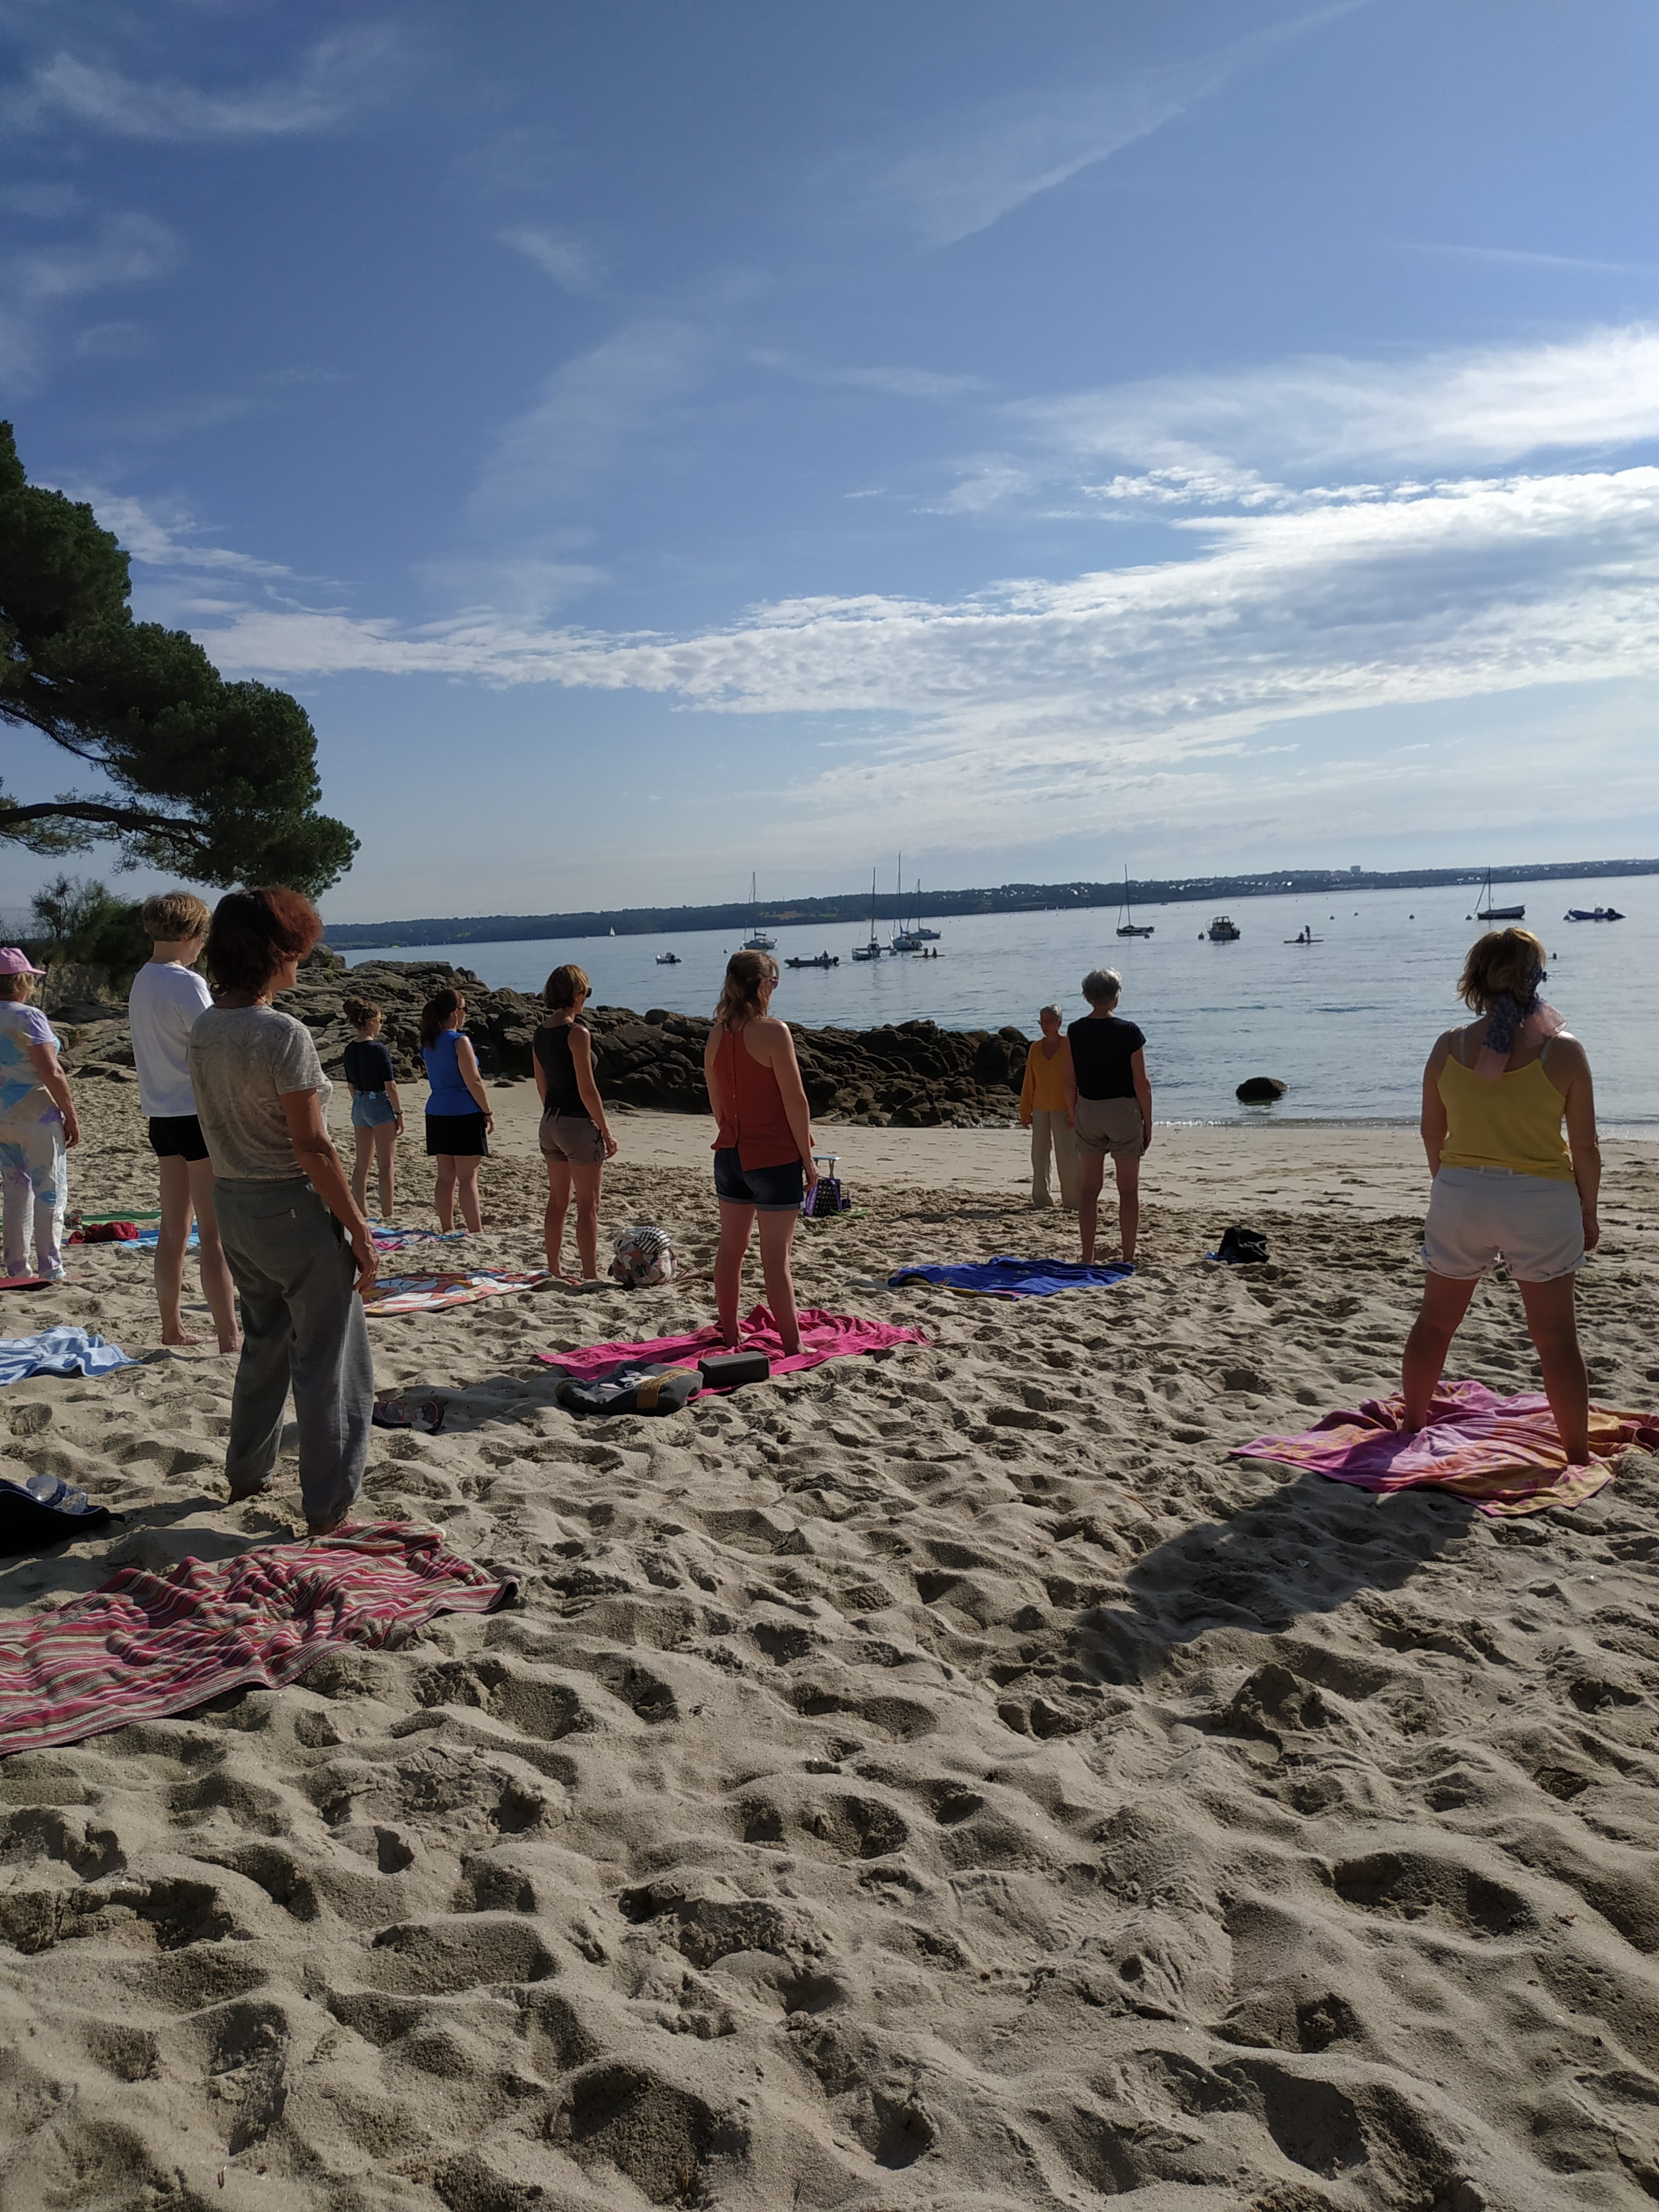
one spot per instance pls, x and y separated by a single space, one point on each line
1223 930
1306 937
668 960
1127 924
1485 911
822 960
757 940
1594 913
873 950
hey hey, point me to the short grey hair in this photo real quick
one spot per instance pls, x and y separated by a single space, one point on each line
1043 1013
1101 986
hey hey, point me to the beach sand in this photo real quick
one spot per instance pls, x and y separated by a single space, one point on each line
945 1780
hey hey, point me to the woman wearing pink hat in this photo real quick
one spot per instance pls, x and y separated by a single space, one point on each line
38 1123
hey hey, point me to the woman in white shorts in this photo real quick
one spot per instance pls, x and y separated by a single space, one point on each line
1507 1181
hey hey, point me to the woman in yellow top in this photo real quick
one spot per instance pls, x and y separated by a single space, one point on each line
1043 1111
1495 1096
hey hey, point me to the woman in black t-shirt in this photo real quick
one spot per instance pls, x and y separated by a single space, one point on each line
575 1139
377 1114
1111 1104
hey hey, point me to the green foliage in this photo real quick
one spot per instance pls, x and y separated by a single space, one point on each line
213 781
79 920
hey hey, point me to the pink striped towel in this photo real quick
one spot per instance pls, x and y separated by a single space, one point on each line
144 1645
823 1336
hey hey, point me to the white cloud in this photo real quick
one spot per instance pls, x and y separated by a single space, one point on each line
557 255
338 76
1522 258
985 714
561 445
1007 151
898 383
1474 408
127 249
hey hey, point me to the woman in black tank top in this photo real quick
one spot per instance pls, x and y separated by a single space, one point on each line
575 1142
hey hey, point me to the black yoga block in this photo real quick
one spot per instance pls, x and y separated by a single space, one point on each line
723 1369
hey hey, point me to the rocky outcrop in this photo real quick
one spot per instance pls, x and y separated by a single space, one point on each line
913 1076
1260 1090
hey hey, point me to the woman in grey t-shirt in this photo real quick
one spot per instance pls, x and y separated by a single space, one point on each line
299 1248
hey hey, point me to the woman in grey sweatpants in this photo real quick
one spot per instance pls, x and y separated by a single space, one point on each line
300 1249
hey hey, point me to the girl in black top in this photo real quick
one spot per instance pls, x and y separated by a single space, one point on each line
1110 1101
575 1140
377 1114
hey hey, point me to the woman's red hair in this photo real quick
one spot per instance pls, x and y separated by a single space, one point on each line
253 932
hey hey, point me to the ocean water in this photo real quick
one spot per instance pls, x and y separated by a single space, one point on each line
1346 1022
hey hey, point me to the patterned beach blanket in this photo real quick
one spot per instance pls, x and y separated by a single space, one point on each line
822 1336
1009 1278
1502 1453
144 1645
386 1240
413 1294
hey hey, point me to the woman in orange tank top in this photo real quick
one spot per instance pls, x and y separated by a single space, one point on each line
1496 1096
763 1143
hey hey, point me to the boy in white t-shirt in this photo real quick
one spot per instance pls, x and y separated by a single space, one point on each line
168 995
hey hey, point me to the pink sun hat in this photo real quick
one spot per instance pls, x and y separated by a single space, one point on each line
14 961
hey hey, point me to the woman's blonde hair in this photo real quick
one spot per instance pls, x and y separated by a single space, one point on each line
16 987
740 994
560 988
1503 960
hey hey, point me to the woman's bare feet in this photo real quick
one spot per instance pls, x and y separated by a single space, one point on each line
181 1339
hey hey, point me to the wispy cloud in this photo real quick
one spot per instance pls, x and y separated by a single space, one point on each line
1522 258
125 249
1471 408
1009 150
557 449
984 712
898 383
339 75
175 544
557 255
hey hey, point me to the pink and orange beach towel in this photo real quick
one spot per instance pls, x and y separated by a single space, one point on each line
1502 1453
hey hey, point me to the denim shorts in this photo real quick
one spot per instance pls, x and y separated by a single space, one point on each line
768 1191
371 1109
1536 1223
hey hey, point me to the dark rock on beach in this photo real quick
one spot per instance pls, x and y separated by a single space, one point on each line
911 1076
1260 1090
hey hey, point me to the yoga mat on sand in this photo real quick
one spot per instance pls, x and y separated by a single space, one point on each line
143 1645
1009 1278
413 1294
1502 1453
822 1336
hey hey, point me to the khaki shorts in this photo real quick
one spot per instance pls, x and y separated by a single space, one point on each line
1111 1125
573 1139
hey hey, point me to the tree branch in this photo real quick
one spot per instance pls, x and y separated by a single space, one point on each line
130 818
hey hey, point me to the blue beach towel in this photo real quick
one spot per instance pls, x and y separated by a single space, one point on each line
65 1350
1009 1278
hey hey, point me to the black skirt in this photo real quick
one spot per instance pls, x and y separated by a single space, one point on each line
461 1135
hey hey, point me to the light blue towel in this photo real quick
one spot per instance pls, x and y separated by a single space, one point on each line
62 1351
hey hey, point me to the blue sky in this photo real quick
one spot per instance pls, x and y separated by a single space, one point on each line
660 442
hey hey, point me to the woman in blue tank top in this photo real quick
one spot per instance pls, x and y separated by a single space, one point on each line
457 1116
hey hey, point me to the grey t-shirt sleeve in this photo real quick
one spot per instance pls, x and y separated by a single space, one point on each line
293 1064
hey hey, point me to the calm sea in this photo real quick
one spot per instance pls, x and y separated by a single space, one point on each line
1346 1022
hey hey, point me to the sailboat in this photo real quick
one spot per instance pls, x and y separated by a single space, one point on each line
1127 924
1485 911
757 940
906 937
872 950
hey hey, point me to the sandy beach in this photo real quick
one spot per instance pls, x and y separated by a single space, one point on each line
943 1780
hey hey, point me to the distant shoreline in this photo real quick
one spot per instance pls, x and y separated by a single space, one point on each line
855 908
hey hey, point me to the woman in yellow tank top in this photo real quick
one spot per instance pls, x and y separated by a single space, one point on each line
1497 1097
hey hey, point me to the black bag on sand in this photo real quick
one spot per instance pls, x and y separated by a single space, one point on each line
1242 1248
44 1510
723 1370
642 1389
